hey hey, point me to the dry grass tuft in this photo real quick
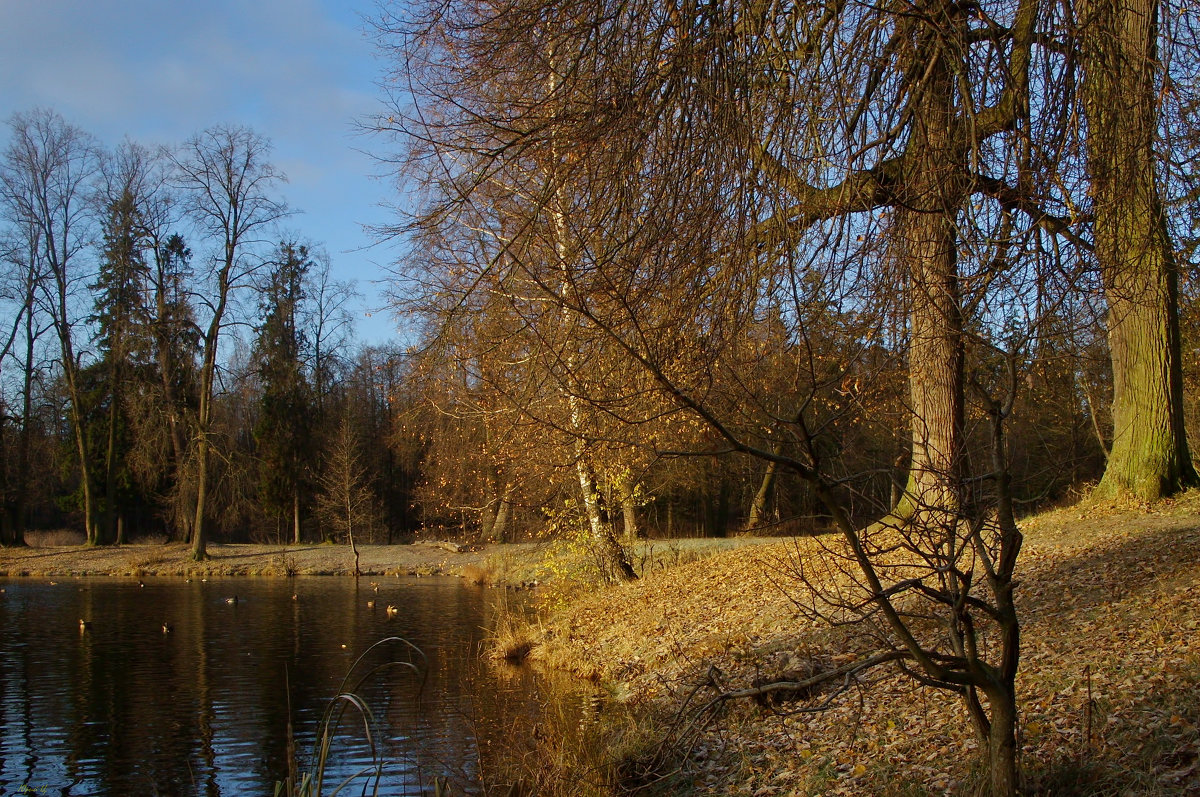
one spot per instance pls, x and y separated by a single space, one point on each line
512 639
54 539
480 576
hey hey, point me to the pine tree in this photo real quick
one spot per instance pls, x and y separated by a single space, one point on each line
123 320
283 433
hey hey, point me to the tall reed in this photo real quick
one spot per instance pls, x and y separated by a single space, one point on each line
402 654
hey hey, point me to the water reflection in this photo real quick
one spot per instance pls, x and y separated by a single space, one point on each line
124 707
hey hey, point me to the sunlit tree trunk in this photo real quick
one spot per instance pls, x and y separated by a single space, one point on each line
599 524
1149 457
627 494
199 532
925 243
758 507
925 240
503 509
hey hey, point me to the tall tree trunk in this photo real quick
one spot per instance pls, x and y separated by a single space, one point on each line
199 540
25 442
1149 456
203 423
110 458
168 370
925 241
603 537
296 516
70 374
208 377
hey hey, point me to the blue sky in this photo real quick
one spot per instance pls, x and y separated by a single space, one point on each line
297 71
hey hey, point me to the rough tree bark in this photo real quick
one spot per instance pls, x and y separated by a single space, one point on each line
1149 456
925 243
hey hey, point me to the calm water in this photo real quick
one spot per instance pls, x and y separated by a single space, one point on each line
124 709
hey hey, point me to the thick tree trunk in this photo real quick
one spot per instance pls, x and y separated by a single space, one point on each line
199 540
630 518
490 514
925 242
627 496
90 526
1149 456
487 520
500 525
758 507
1002 743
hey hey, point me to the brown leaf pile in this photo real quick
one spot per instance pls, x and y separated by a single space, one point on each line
1109 686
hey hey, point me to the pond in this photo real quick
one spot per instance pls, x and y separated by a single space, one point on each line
201 705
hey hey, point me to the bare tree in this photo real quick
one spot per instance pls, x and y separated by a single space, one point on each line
652 179
46 180
328 324
227 183
346 501
21 259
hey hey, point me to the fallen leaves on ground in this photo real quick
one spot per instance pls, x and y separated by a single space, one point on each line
1108 690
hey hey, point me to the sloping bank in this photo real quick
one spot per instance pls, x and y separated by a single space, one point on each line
1109 686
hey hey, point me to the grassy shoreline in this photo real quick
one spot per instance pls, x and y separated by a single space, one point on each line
499 564
174 559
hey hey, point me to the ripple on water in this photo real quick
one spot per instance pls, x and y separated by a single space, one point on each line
124 708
